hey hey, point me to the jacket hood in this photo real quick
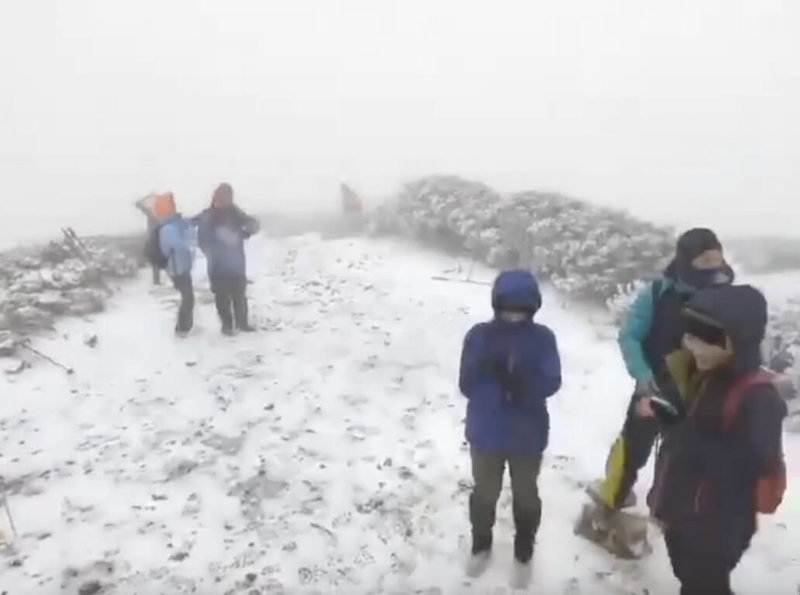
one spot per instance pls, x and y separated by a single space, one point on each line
516 289
690 245
741 310
223 196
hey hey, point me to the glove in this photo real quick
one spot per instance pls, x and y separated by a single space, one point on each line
643 393
512 383
665 412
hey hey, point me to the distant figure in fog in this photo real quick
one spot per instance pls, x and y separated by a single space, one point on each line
351 202
145 205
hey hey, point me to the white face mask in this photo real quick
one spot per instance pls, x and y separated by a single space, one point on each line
706 356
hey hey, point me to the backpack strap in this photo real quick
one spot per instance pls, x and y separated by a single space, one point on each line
733 399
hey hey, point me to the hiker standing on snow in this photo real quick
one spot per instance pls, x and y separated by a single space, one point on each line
152 224
222 231
509 367
721 461
175 243
654 328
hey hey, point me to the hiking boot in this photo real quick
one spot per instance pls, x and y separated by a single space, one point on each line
246 328
523 548
228 331
481 544
481 555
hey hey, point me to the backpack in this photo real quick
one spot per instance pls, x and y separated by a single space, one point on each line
152 249
771 486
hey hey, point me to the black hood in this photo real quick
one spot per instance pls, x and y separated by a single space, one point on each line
690 245
742 311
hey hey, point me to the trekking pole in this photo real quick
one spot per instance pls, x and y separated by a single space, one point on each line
7 508
26 344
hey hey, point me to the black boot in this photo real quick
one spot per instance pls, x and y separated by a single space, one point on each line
523 548
481 544
481 555
526 525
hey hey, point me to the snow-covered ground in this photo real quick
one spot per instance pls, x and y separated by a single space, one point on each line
324 454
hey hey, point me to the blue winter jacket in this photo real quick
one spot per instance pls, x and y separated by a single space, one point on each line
175 239
508 370
222 240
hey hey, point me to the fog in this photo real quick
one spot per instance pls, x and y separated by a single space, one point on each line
685 112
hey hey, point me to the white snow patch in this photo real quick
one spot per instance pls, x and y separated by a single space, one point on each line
322 455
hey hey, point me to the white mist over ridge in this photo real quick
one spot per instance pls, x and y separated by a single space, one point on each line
682 113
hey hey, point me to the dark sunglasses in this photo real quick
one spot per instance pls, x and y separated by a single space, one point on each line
704 328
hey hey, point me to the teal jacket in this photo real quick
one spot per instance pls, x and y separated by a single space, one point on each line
637 324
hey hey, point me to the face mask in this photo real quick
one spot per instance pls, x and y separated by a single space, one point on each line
702 278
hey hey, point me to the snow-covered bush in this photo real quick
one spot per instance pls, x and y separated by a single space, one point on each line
67 278
587 252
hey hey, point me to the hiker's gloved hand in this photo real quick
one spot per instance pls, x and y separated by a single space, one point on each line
644 393
511 381
663 410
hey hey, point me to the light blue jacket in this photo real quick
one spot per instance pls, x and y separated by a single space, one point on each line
176 242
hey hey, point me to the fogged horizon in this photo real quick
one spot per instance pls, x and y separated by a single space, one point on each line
683 113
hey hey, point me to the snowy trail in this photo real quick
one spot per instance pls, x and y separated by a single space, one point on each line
322 455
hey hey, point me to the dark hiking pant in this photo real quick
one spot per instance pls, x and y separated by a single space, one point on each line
186 309
627 456
230 297
699 573
487 473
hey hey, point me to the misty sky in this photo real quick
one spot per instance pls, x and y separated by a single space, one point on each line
686 111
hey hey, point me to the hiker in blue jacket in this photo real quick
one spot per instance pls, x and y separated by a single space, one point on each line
222 231
509 367
652 329
175 241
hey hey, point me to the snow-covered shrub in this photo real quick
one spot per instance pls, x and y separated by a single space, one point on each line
587 252
782 346
68 278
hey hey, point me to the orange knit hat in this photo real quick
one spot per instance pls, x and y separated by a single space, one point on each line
164 205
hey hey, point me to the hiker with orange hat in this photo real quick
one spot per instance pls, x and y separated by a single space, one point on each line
174 244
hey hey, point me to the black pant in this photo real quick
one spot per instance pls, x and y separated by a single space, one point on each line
487 473
699 573
156 275
230 297
186 309
627 456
